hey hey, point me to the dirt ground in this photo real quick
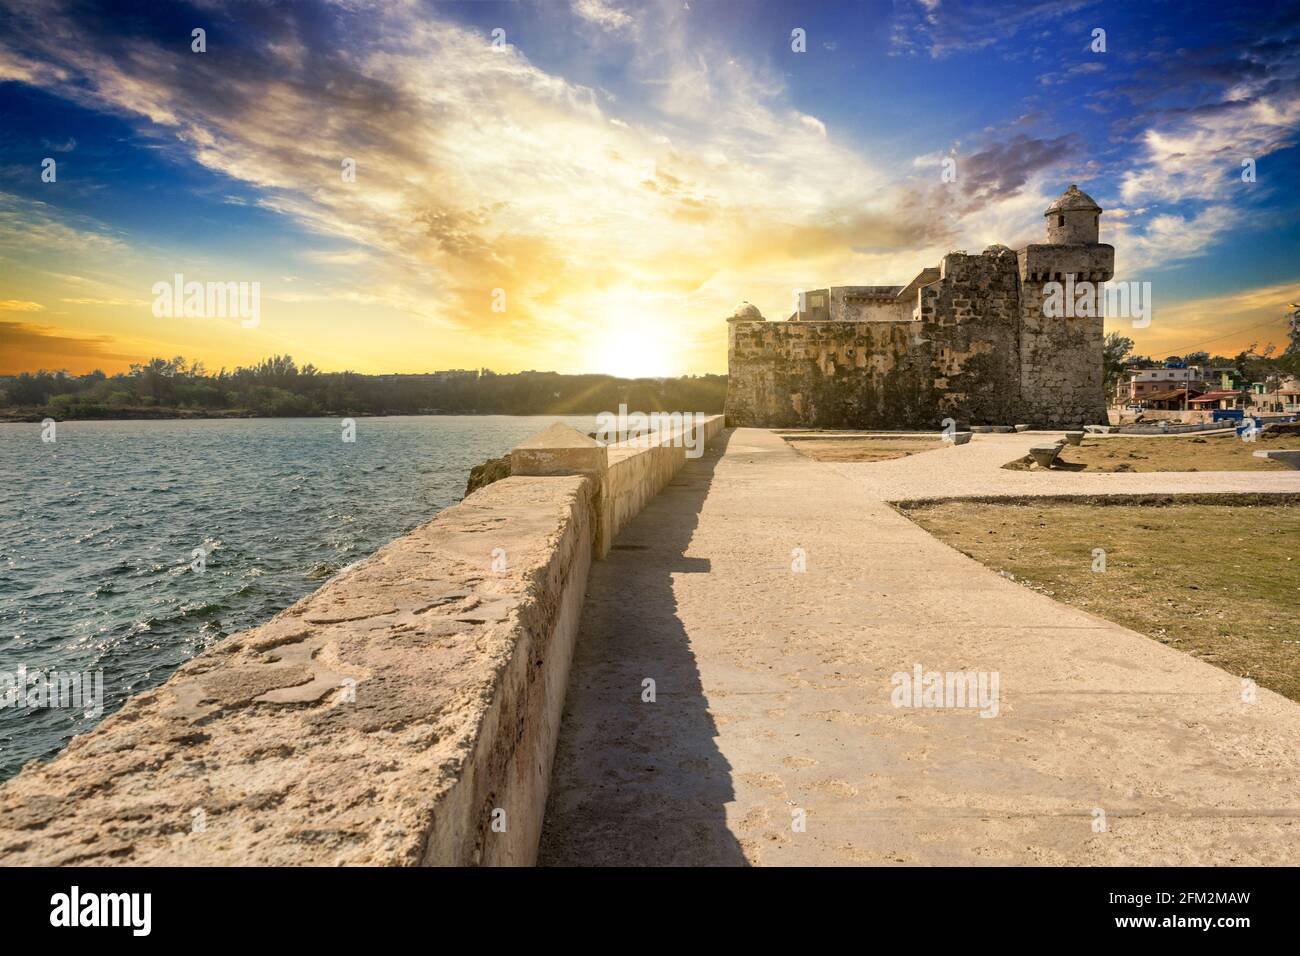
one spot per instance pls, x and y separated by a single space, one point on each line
1191 453
1221 582
860 449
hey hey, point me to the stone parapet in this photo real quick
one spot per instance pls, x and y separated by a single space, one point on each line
405 713
627 474
1052 263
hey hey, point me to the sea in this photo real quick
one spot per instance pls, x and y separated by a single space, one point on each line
128 547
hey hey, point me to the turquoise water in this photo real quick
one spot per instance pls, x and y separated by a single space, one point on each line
98 530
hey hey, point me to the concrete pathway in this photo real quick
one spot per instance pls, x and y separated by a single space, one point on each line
773 689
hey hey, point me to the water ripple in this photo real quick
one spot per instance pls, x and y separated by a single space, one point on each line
98 533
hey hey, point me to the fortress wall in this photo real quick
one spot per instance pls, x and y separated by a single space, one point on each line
829 375
857 308
382 720
961 360
1062 378
972 319
982 353
876 310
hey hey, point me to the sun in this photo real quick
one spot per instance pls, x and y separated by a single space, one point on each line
637 348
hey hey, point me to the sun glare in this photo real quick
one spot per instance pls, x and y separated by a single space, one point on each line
638 347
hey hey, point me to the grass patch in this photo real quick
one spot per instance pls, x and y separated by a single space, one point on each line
1192 453
1218 581
860 449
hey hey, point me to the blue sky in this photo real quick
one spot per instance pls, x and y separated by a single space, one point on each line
624 173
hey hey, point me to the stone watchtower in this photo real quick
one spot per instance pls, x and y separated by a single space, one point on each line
1061 374
1074 219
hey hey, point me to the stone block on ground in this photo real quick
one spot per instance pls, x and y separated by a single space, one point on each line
1044 455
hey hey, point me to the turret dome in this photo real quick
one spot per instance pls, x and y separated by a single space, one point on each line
1074 219
1073 198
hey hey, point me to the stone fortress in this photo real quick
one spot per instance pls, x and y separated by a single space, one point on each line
967 340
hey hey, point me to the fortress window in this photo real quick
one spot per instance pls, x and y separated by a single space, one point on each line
1060 220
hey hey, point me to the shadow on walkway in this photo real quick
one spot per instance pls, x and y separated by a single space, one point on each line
640 783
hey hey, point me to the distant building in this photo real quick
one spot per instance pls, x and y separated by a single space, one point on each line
1138 386
1217 399
1141 384
1172 400
1276 397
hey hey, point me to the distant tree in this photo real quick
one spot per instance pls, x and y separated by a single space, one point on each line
1255 365
1114 351
276 386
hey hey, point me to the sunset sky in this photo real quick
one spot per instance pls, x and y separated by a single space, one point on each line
626 172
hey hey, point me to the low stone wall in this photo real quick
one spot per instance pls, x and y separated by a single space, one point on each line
406 713
639 470
1171 427
628 474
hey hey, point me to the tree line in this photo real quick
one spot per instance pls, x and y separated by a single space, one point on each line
277 387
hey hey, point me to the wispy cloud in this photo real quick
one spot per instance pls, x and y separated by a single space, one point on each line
940 28
604 14
26 225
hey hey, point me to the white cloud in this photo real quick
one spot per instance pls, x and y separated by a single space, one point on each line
1199 156
814 124
1169 238
605 15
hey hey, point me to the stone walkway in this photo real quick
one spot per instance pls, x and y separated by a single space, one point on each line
772 689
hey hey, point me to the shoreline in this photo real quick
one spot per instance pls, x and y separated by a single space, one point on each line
171 415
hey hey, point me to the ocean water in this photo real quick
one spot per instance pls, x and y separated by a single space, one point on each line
98 531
